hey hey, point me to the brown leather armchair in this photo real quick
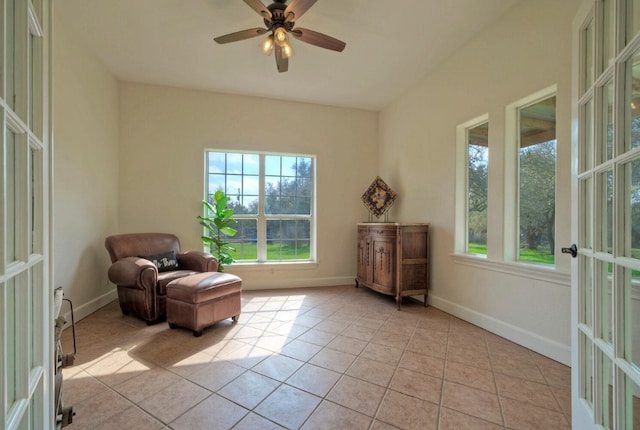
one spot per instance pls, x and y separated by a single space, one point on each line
141 285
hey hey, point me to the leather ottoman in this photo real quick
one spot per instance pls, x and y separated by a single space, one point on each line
199 301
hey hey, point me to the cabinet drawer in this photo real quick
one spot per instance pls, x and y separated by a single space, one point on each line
377 231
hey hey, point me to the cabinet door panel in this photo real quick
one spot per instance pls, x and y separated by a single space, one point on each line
383 262
364 257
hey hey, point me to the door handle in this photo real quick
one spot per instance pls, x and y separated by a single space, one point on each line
573 250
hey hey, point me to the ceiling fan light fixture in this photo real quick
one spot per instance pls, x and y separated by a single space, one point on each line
280 36
267 45
287 50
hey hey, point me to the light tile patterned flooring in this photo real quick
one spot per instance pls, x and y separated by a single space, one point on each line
320 358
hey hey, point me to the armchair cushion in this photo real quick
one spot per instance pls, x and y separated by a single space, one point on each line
164 262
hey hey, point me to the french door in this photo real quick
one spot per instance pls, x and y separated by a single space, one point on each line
26 388
606 275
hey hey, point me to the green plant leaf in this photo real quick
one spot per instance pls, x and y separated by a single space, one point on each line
229 231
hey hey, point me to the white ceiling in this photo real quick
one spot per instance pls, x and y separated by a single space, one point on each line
391 45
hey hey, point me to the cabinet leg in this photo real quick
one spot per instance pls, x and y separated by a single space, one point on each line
357 284
399 301
425 300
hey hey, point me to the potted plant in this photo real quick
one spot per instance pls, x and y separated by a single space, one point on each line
218 221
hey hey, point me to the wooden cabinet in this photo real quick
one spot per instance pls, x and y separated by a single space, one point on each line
393 259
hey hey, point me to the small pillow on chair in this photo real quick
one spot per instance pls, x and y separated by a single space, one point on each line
164 262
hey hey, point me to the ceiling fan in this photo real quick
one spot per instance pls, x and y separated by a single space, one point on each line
279 19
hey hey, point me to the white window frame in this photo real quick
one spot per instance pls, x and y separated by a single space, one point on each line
512 170
262 218
462 186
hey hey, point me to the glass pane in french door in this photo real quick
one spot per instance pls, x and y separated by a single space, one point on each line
586 369
604 203
586 142
604 303
633 19
605 384
632 210
632 121
632 316
588 66
10 341
586 221
586 294
608 32
606 149
632 404
11 201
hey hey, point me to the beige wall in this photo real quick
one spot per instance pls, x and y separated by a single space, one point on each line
85 194
165 131
526 51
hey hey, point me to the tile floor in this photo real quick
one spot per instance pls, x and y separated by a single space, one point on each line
321 358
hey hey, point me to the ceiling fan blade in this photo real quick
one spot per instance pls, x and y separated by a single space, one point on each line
281 61
260 8
318 39
296 9
241 35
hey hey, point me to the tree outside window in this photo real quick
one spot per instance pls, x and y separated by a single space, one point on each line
477 188
537 182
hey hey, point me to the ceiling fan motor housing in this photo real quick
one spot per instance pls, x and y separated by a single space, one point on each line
277 16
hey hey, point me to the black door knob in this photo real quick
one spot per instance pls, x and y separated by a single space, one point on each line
573 250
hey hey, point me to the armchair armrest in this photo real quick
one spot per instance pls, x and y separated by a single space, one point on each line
197 261
134 272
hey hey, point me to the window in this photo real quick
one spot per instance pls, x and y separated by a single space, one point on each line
477 188
537 181
273 199
472 190
520 181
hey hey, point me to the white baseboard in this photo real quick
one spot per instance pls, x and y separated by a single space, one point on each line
541 345
80 312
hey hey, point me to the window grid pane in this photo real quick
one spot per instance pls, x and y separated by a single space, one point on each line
632 404
588 56
605 408
586 141
586 293
10 47
11 342
632 126
586 376
607 117
633 19
290 192
12 167
608 44
632 317
604 304
632 212
288 239
605 207
245 241
36 216
586 220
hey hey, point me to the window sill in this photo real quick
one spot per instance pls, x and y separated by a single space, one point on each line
532 271
285 265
